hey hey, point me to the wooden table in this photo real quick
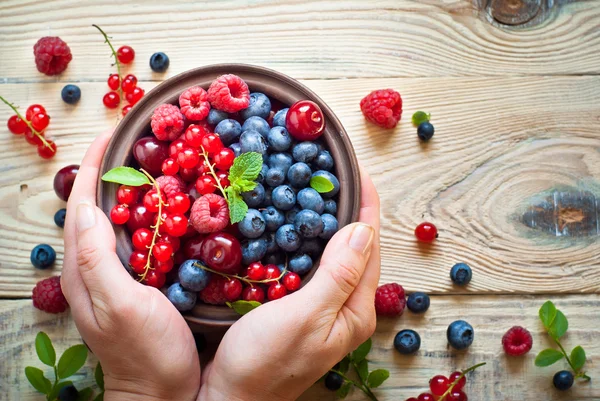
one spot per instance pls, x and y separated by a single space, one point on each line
511 177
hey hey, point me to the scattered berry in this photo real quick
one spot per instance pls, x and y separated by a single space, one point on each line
389 300
333 381
461 383
418 302
126 110
68 393
407 342
563 380
47 152
382 107
426 232
40 121
461 274
129 83
229 93
42 256
59 217
125 54
209 213
70 94
134 95
420 117
111 100
194 103
460 334
167 122
52 55
159 62
114 81
425 131
517 341
16 125
438 385
63 181
48 296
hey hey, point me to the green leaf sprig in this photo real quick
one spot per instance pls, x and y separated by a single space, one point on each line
420 117
556 324
242 307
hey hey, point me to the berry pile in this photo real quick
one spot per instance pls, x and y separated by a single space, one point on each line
32 127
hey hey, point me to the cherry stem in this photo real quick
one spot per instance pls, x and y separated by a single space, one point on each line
464 372
36 133
212 171
365 389
114 53
244 279
156 227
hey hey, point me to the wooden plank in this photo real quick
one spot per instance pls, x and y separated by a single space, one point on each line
306 39
501 148
503 378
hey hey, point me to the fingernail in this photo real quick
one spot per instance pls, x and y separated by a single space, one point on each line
362 238
85 216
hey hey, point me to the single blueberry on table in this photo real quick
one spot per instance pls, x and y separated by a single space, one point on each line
300 264
282 161
68 393
288 238
324 161
279 118
192 277
331 207
252 225
310 199
59 217
305 152
252 141
308 223
283 197
331 178
70 94
237 150
273 218
313 247
290 215
461 274
418 302
253 250
257 124
563 380
299 175
407 342
255 197
216 116
330 226
333 381
275 177
42 256
229 131
460 334
182 299
260 106
425 131
279 139
159 62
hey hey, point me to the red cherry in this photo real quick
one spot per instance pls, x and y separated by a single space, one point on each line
33 110
111 100
34 139
162 251
151 200
222 252
211 143
224 159
206 185
170 167
456 395
461 384
129 82
256 271
128 195
125 54
192 248
126 110
188 158
179 203
141 239
138 260
187 174
194 134
47 151
119 214
232 289
253 294
276 291
425 397
176 146
155 279
164 267
134 95
171 240
176 224
40 121
113 81
223 178
305 121
63 181
292 281
179 258
16 125
140 217
439 385
426 232
272 272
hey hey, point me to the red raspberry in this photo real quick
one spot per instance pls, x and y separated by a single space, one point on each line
229 93
48 296
194 103
52 55
167 122
390 300
171 185
214 292
382 107
517 341
209 214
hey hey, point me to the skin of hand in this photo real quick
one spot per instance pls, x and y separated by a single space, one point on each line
273 353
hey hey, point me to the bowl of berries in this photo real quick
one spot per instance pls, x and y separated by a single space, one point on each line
224 184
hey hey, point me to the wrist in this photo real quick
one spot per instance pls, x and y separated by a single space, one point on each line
117 390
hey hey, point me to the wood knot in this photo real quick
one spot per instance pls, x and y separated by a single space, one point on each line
514 12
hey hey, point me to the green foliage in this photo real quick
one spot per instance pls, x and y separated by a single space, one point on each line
126 176
420 117
243 307
548 357
321 184
242 177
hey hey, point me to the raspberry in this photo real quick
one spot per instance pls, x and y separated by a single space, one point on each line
382 107
48 296
167 122
194 104
390 300
52 55
214 292
209 214
517 341
171 185
229 93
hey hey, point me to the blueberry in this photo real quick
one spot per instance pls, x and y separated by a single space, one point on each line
253 250
331 207
308 223
273 218
275 177
274 258
229 130
299 175
260 106
324 160
279 139
300 264
330 226
268 201
460 334
59 217
332 178
425 131
191 277
407 342
255 197
182 299
272 246
283 197
70 94
290 215
333 381
237 150
461 274
252 141
42 256
313 247
279 118
159 62
563 380
252 225
305 152
282 161
257 124
310 199
288 238
216 116
68 393
418 302
263 174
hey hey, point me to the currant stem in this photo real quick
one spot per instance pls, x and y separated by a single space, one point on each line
36 133
464 372
114 53
244 279
212 171
156 227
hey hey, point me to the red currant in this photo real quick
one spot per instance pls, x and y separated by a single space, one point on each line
119 214
456 395
170 167
202 169
16 125
256 271
138 260
34 139
125 54
113 81
161 229
141 239
40 121
176 224
232 289
211 143
461 384
171 240
206 185
176 146
426 232
155 279
126 110
151 200
129 82
134 95
162 251
127 194
276 291
140 217
164 267
47 151
224 159
439 385
187 174
194 134
111 100
33 110
188 158
272 272
179 203
292 281
223 178
253 294
305 120
425 397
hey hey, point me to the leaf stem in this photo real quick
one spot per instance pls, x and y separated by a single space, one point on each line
36 133
464 372
244 279
114 53
155 227
365 389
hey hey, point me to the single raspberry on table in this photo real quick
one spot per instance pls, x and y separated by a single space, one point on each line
48 296
390 300
214 292
382 107
167 122
517 341
171 184
209 214
52 55
229 93
194 103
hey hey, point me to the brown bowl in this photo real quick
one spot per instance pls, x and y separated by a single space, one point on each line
276 86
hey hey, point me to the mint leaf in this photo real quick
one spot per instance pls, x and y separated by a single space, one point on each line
85 394
547 314
363 369
420 117
246 166
548 357
44 349
361 352
56 389
237 206
38 380
559 325
126 176
245 185
344 365
72 360
578 357
343 391
99 376
377 377
321 184
243 307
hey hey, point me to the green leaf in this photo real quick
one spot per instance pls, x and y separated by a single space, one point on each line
246 166
56 389
126 176
578 358
99 376
420 117
548 357
72 360
237 207
361 352
38 380
547 314
44 349
343 391
243 307
559 325
344 365
99 397
321 184
363 369
377 377
85 394
245 185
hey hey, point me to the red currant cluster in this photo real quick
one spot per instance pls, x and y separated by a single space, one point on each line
32 127
443 388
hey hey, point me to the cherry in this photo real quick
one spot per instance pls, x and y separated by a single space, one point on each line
125 54
170 167
253 294
256 271
47 151
232 289
461 384
34 139
194 134
119 214
222 252
224 159
111 100
128 195
206 185
138 260
63 181
155 279
33 110
223 178
211 143
140 217
276 291
126 110
425 397
16 125
179 258
164 267
179 203
171 240
40 121
113 81
151 200
439 385
456 395
426 232
305 121
272 272
176 224
129 82
292 281
187 174
149 152
176 146
134 95
141 239
162 251
192 248
188 158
